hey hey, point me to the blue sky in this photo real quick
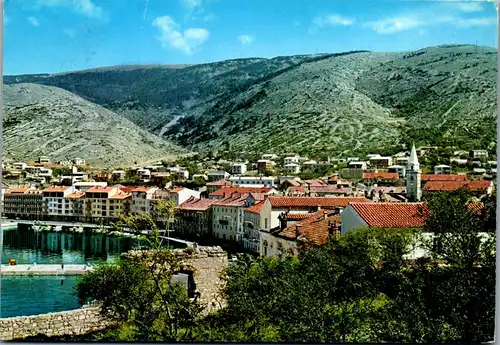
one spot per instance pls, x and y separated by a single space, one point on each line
49 36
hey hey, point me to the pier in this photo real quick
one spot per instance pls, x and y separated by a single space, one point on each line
44 270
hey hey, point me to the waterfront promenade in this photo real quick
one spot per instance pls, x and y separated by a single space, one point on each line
44 270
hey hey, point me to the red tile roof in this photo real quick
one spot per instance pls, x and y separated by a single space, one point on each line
121 195
141 189
296 190
298 201
194 204
392 215
476 185
255 208
75 195
237 200
219 183
259 196
315 183
314 228
228 190
99 189
330 190
297 216
442 177
55 189
380 175
17 190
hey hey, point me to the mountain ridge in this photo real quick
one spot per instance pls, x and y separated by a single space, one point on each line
342 103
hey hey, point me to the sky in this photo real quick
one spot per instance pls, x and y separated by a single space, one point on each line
50 36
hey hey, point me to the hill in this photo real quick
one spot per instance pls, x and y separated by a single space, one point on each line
348 103
43 120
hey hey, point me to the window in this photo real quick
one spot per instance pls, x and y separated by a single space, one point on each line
265 223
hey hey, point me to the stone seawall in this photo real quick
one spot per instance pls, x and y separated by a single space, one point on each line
73 322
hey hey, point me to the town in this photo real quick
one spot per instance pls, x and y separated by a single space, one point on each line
264 206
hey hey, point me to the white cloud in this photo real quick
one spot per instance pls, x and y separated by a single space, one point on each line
246 39
470 22
85 7
191 3
393 25
33 21
469 7
188 41
333 20
446 13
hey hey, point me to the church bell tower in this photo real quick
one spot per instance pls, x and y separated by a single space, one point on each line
413 177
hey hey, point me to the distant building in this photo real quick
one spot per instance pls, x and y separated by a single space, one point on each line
217 175
44 160
380 162
399 169
79 161
442 169
238 168
357 165
268 156
250 181
478 153
292 168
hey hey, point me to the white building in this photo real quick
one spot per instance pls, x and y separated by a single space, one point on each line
85 186
238 168
293 159
19 166
458 161
357 165
253 222
380 162
56 205
247 181
399 169
372 155
179 195
292 168
79 161
218 175
478 153
144 173
269 156
141 199
274 206
227 218
391 216
402 160
118 174
442 169
352 159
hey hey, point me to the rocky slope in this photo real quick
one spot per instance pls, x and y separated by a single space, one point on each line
346 103
43 120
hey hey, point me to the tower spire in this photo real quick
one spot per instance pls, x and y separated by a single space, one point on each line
413 177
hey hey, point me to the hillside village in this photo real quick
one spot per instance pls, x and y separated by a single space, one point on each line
264 206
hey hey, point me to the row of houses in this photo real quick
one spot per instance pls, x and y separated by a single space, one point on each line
94 202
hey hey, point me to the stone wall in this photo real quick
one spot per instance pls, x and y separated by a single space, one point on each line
79 321
208 265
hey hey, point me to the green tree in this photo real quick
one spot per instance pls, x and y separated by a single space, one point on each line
138 292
